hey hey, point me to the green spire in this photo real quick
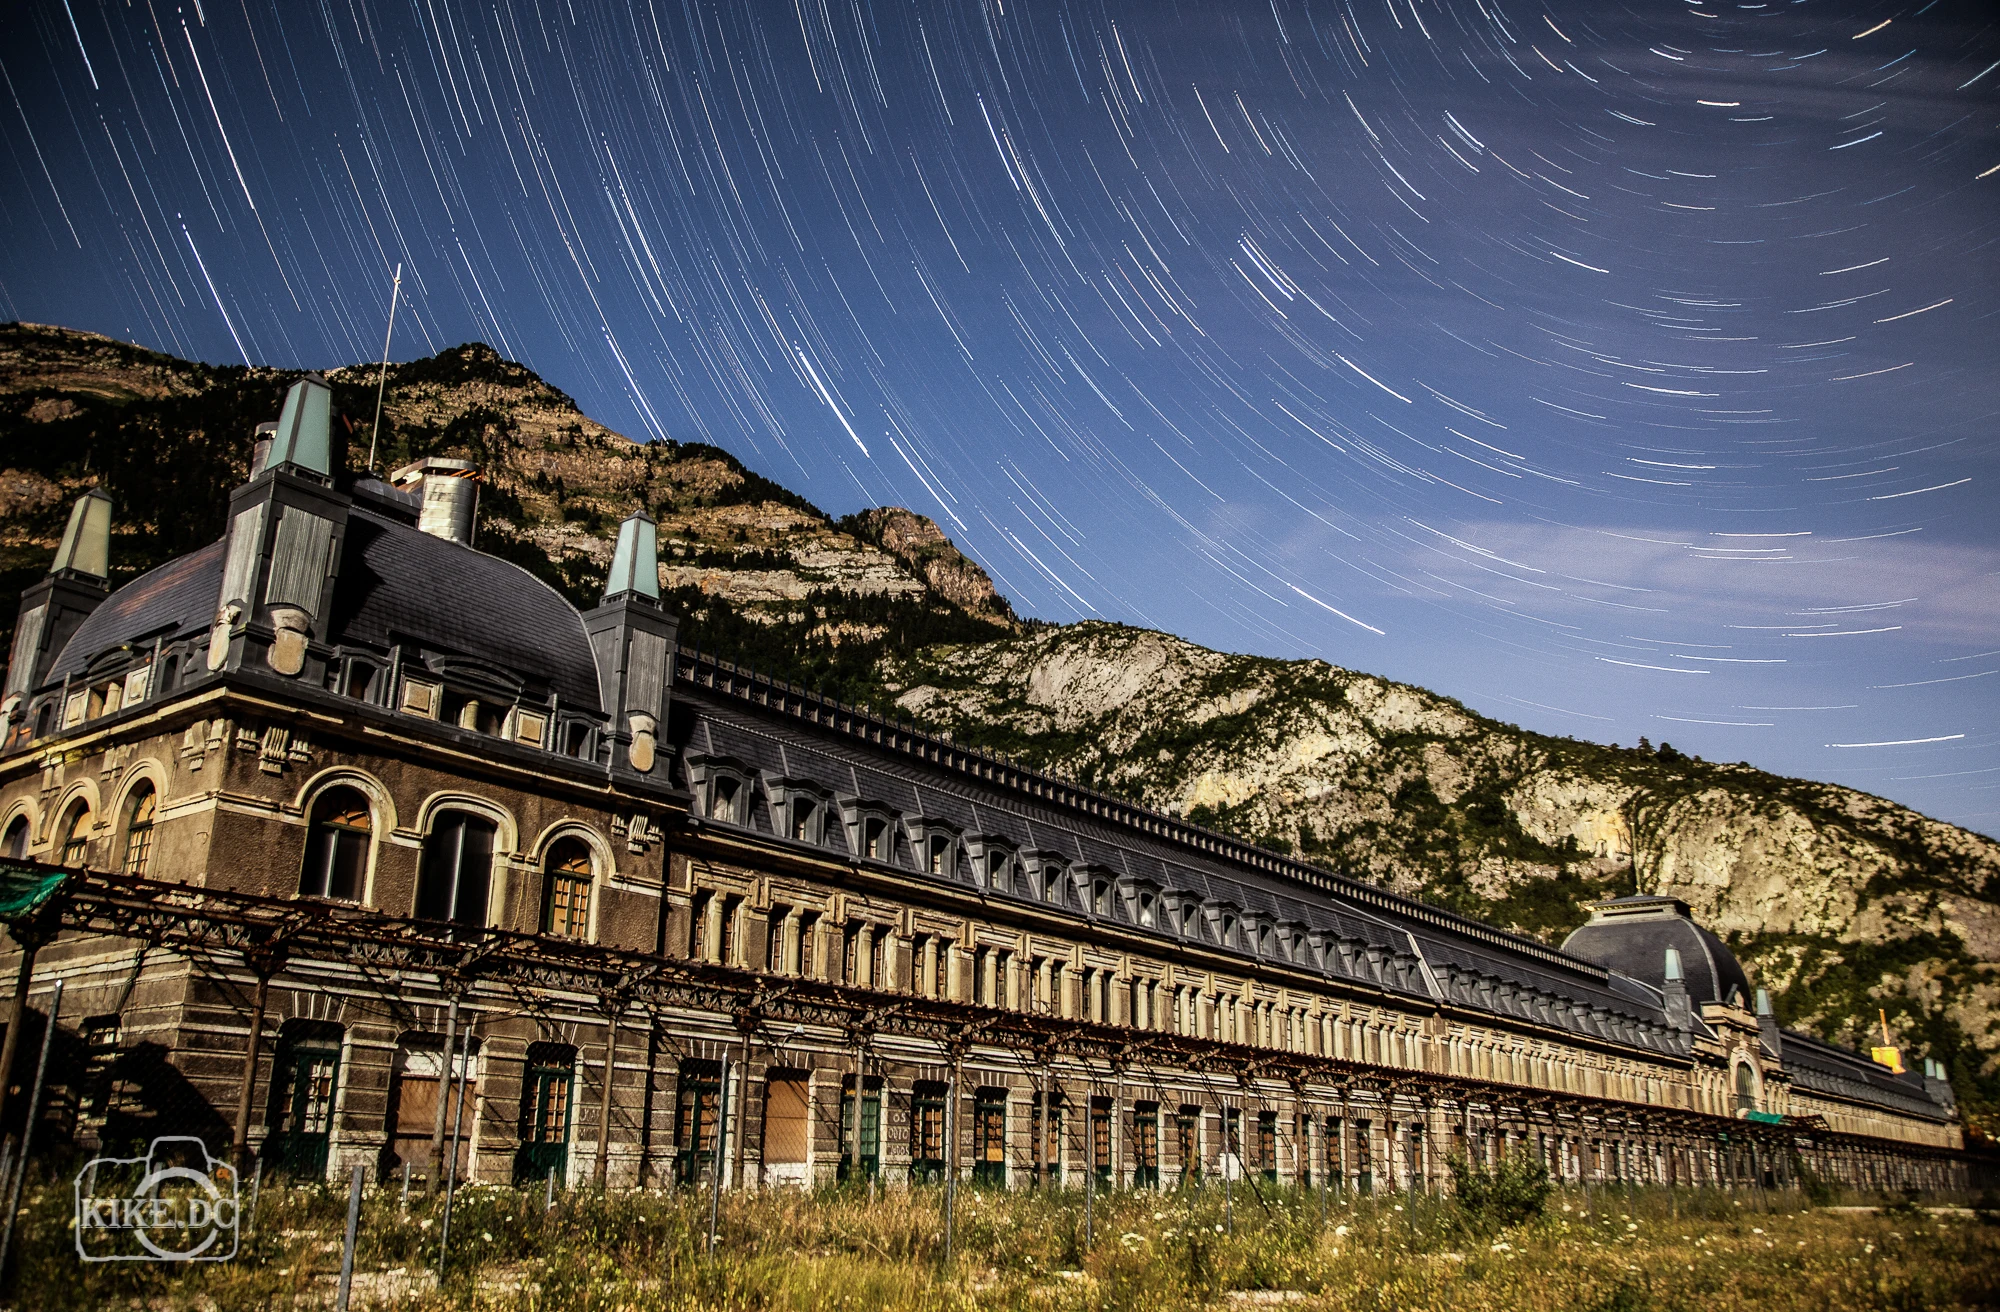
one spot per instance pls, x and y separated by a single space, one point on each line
635 564
86 543
304 438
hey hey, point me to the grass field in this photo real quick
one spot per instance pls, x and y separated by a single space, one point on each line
1606 1251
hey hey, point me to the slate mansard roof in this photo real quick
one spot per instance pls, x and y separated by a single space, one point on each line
171 601
1631 936
396 585
1355 933
401 585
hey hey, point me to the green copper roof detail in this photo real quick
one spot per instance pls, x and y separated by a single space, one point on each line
305 429
635 564
86 542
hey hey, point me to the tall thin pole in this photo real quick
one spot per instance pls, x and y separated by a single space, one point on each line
28 1129
716 1158
444 1096
382 379
17 1011
950 1158
604 1107
451 1171
347 1244
1089 1175
854 1120
240 1140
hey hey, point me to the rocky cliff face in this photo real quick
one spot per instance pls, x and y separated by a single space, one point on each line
753 567
1840 902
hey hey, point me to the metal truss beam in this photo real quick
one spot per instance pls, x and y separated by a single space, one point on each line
207 922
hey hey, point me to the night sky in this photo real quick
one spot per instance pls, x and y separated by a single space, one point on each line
1620 369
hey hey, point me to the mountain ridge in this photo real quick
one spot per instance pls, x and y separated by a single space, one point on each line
1838 901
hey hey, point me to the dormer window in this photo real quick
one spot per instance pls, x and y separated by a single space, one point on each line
1100 897
937 845
993 862
1141 900
473 714
1044 873
870 829
721 788
1177 911
798 809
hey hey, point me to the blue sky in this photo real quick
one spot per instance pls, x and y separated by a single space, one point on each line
1620 369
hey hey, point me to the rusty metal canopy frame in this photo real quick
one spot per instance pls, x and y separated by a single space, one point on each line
265 932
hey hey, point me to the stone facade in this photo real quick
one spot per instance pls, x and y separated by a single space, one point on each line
333 711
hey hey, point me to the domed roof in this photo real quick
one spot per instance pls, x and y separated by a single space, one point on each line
396 585
172 599
1631 935
400 585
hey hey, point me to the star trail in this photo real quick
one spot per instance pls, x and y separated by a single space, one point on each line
1620 369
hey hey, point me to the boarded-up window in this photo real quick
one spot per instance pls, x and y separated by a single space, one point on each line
786 1138
414 1098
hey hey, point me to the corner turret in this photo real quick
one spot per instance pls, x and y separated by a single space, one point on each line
634 639
78 581
286 529
1767 1025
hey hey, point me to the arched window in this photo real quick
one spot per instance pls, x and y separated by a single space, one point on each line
1746 1088
75 832
338 831
139 828
566 901
15 846
457 868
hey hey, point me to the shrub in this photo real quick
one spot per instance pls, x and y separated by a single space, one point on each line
1514 1191
1812 1184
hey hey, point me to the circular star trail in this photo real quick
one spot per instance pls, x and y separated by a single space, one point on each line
1622 369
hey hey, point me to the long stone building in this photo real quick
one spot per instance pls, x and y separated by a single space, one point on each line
352 843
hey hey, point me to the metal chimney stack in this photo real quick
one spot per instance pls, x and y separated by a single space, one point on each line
450 491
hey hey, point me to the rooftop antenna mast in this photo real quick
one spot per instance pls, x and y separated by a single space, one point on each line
382 378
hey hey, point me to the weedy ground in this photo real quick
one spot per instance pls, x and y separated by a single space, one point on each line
1605 1251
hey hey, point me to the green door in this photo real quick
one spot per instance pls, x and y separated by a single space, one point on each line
989 1140
871 1134
927 1134
302 1098
696 1119
545 1124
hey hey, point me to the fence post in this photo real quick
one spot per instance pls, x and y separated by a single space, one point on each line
603 1164
716 1150
451 1171
347 1245
28 1129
